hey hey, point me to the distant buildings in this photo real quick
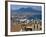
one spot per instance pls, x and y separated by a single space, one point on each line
32 25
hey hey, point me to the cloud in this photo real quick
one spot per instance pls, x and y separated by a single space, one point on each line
36 7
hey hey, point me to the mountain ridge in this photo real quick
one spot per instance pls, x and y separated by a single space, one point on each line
29 10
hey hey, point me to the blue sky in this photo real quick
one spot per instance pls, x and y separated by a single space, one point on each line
16 7
20 9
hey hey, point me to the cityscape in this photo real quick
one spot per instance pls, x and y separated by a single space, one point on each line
26 18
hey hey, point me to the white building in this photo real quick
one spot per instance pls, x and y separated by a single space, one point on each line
24 21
